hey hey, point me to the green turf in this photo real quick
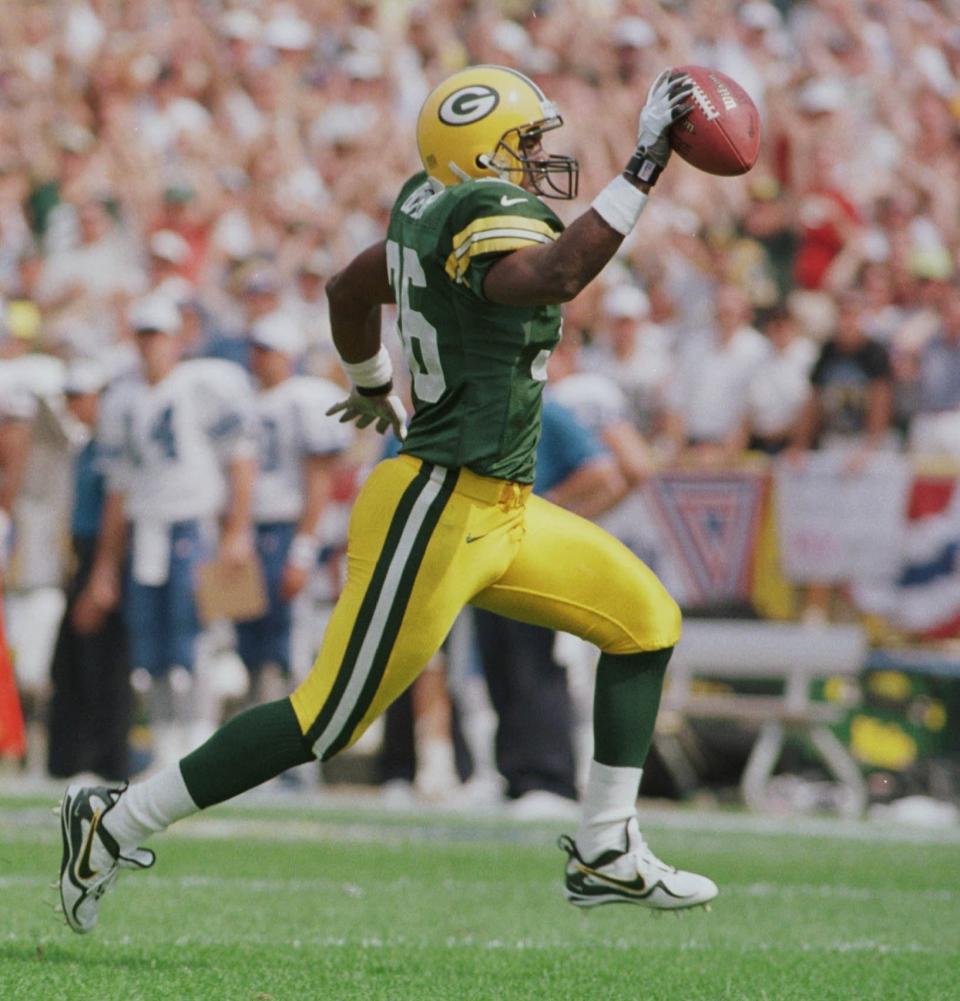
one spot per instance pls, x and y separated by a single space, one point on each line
306 904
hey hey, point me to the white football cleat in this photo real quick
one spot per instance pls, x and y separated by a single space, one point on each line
632 876
91 859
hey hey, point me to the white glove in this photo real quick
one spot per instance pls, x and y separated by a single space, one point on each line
386 409
667 101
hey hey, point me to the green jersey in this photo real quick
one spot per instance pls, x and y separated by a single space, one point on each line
478 368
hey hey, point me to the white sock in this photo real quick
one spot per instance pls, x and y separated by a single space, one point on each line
609 801
149 807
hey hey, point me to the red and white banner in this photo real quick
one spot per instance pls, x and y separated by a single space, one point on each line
835 525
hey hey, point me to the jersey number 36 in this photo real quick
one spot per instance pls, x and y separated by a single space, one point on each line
419 337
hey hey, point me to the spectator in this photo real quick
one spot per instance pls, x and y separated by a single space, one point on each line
534 742
636 354
780 387
935 371
298 449
708 397
17 407
851 405
91 702
177 441
850 410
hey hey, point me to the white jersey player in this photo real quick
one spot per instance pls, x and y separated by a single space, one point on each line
178 449
165 446
297 454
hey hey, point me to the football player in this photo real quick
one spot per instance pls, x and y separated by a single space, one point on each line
177 443
477 265
297 454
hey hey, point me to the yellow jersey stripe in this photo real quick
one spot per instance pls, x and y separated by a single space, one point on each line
500 241
502 222
496 241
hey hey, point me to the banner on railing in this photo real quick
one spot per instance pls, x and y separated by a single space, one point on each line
708 524
839 524
922 595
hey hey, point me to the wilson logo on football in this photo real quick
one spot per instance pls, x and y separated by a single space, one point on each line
469 104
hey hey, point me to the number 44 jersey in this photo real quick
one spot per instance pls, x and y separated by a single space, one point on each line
478 368
165 446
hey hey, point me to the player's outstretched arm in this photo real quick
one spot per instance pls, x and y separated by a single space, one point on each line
559 271
355 296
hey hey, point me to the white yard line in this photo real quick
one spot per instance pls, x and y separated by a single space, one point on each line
490 887
319 817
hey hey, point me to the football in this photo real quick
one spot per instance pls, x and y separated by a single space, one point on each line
721 134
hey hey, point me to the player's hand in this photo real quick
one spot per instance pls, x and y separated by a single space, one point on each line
96 600
293 580
668 100
386 410
236 546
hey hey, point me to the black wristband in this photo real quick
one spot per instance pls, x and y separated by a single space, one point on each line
642 168
375 390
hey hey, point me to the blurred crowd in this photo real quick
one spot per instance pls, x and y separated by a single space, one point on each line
234 154
228 156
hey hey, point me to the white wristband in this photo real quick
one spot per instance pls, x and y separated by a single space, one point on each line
619 205
372 373
304 551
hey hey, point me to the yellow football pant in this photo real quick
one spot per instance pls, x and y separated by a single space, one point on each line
423 542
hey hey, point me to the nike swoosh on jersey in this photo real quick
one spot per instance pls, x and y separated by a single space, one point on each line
476 538
507 202
83 869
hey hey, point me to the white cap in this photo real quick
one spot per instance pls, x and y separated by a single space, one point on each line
759 14
279 331
634 32
508 36
84 376
169 246
319 263
155 312
243 25
822 94
626 301
362 65
287 30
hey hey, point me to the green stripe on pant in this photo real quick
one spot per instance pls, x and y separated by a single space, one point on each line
381 612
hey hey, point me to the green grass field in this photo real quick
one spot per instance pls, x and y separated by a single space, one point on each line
301 902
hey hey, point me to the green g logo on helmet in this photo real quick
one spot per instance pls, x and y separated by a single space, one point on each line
469 104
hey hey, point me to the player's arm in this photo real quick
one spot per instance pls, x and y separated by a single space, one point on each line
559 271
102 592
592 488
236 539
317 488
634 457
355 296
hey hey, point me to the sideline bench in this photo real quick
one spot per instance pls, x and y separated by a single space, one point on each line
789 653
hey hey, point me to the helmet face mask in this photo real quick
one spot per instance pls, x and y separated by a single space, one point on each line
488 121
541 171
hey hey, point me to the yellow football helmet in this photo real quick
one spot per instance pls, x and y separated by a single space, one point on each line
482 121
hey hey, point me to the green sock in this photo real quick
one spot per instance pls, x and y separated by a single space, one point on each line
255 746
625 702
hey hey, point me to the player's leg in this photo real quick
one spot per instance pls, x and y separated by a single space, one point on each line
263 644
408 578
410 571
572 576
